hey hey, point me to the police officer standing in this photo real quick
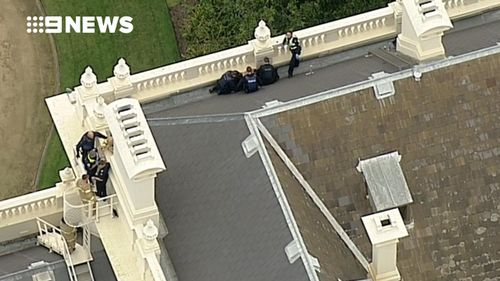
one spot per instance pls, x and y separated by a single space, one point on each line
90 162
293 45
267 74
101 178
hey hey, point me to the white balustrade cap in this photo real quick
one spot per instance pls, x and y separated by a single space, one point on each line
150 231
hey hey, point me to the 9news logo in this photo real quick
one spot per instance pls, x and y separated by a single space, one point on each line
78 24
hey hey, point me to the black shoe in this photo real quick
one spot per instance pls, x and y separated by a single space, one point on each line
290 75
211 91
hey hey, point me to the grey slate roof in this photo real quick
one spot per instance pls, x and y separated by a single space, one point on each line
223 217
322 241
447 129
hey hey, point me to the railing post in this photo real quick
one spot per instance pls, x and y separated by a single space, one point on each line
111 203
97 211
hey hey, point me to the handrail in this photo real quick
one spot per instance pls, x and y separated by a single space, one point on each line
66 253
90 271
95 209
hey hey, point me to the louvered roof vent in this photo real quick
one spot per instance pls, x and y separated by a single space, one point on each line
132 139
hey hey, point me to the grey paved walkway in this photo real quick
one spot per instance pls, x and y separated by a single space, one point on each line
285 89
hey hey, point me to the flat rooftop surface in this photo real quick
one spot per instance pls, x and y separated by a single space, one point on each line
22 259
224 220
14 266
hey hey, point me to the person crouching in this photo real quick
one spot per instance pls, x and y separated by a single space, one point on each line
267 74
249 82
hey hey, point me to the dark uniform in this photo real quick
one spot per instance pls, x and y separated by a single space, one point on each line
295 49
100 178
90 163
86 144
267 74
227 83
249 83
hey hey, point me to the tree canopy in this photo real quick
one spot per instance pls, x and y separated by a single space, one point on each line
214 25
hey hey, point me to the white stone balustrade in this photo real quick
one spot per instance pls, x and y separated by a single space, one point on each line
316 41
340 35
190 74
17 215
458 9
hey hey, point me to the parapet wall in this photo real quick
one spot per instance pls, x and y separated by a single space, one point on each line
316 41
17 215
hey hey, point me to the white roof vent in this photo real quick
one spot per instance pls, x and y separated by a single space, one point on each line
382 89
44 276
132 139
387 187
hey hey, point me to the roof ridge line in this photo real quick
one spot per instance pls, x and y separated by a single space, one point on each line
317 201
282 200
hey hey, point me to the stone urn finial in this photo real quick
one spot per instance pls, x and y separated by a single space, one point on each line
150 231
262 33
88 78
121 70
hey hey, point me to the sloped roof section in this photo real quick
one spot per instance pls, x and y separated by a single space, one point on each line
321 239
447 129
224 220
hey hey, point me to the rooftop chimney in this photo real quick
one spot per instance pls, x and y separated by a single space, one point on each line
384 230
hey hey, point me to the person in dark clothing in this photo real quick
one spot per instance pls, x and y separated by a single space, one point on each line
267 74
101 178
227 83
87 143
249 82
90 162
292 43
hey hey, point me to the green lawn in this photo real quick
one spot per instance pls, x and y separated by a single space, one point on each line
151 44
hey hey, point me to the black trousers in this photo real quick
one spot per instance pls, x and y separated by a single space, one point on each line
101 189
294 62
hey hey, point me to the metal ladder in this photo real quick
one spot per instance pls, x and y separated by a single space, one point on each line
77 262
